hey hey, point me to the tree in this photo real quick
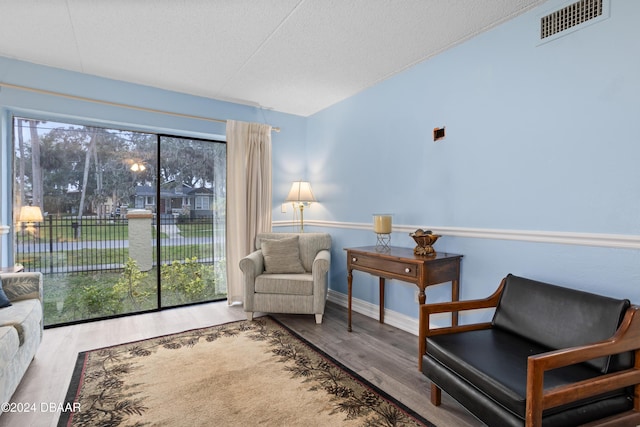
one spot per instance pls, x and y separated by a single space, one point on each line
62 153
87 165
187 161
21 166
36 172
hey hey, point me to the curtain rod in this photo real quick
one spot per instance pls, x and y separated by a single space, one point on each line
115 104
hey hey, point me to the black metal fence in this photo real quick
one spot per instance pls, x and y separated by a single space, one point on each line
71 244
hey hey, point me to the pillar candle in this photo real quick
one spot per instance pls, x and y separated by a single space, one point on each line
382 224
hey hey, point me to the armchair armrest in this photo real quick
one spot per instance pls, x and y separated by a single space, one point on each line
253 263
626 338
21 286
252 266
426 310
321 262
319 270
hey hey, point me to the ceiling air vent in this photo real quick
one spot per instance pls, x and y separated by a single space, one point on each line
570 16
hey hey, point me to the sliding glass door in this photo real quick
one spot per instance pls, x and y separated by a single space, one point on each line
191 214
117 221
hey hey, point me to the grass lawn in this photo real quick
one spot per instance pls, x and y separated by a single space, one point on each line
68 261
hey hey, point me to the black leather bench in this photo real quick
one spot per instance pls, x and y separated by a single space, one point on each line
551 356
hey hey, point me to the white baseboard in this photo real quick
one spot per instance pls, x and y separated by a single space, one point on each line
392 318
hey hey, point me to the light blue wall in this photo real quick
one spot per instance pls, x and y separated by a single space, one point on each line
539 137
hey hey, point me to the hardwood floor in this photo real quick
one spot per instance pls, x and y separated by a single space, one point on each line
384 355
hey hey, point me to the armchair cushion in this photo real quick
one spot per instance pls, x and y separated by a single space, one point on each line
495 361
286 284
282 256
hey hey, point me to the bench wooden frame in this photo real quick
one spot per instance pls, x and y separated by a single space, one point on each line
626 338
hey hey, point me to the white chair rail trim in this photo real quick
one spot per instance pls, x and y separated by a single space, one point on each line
621 241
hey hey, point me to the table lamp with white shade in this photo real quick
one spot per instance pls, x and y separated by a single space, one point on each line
301 194
30 215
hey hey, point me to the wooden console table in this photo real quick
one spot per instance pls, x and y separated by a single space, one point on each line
402 264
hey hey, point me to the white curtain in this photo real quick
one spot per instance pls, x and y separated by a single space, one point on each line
248 196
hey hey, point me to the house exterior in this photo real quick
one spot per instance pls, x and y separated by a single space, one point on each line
176 200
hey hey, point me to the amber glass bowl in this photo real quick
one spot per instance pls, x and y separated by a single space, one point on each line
424 241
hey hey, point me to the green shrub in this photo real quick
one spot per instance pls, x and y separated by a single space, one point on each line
98 299
130 284
88 297
188 280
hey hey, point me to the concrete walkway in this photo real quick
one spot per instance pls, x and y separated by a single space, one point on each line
171 230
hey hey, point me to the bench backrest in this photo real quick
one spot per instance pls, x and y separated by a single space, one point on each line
558 317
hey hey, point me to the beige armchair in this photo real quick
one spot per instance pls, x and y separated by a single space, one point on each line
288 273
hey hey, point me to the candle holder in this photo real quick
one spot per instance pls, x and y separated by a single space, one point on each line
382 228
382 242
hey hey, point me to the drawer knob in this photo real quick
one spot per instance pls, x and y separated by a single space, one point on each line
354 259
407 270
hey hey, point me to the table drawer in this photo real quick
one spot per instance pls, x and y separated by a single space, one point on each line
384 265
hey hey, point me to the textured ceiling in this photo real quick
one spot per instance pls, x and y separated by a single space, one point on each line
294 56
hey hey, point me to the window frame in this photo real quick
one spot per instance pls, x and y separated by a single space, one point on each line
8 123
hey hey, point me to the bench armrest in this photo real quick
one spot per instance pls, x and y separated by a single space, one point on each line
426 310
626 338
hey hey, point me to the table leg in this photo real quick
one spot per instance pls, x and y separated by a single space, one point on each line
422 297
382 300
350 283
455 296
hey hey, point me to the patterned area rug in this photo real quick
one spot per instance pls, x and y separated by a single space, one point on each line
236 374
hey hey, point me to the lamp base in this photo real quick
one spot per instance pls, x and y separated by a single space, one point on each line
383 241
302 217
